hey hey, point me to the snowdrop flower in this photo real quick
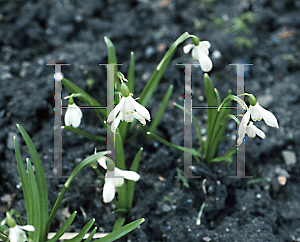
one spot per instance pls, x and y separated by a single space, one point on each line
16 232
73 114
127 109
114 177
251 130
200 53
257 113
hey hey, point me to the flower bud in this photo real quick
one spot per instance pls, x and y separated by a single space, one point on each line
10 220
252 100
124 90
71 101
195 40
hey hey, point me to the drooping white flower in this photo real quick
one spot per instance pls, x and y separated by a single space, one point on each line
257 113
128 109
200 53
17 233
73 115
115 178
251 130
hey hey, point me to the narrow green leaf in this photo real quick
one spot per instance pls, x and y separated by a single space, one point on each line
89 239
131 184
121 232
178 147
83 231
211 112
161 110
225 156
84 134
119 222
36 204
64 228
218 96
112 59
40 178
25 183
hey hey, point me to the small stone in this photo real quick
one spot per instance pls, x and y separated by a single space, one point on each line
282 180
289 157
166 208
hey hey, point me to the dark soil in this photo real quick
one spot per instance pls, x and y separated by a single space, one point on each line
34 33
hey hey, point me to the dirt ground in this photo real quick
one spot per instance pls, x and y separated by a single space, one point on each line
264 33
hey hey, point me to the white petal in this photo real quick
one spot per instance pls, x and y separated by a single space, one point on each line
141 110
112 115
255 111
73 116
195 53
269 118
116 122
108 190
27 227
206 44
139 117
129 175
187 48
205 63
242 131
102 162
116 178
250 131
16 234
259 132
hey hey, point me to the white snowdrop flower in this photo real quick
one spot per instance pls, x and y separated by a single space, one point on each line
114 177
17 233
127 109
257 113
73 115
251 130
200 53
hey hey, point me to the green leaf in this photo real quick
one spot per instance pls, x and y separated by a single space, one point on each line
225 156
131 184
120 221
112 59
40 178
89 239
161 110
84 134
25 183
211 112
121 232
194 152
34 193
83 231
64 228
